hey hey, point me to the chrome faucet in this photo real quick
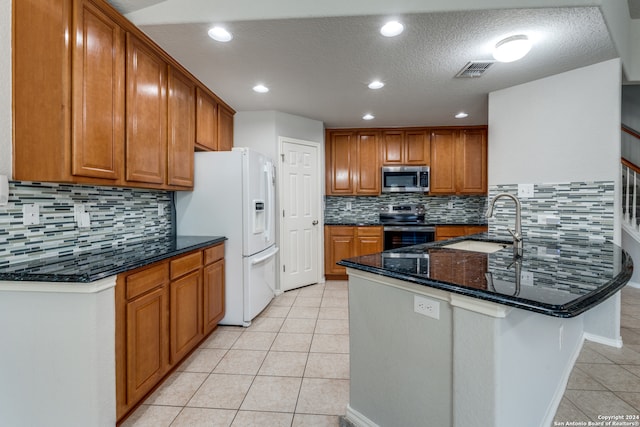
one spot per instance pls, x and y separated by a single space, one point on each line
517 234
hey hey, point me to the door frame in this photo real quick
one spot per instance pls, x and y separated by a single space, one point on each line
320 147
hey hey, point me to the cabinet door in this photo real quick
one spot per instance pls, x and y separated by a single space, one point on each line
206 121
368 240
146 145
185 315
225 128
368 164
392 147
213 295
147 346
340 163
416 147
443 170
339 244
472 162
98 58
181 117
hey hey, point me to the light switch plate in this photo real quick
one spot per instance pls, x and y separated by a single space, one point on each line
525 190
31 214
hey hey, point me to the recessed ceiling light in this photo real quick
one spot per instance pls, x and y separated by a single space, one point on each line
461 115
391 29
368 117
512 48
376 84
220 34
261 88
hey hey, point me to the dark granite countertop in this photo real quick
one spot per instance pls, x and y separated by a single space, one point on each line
557 279
92 265
378 223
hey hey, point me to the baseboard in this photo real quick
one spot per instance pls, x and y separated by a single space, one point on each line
602 340
356 419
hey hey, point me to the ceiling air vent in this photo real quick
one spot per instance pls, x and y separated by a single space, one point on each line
475 69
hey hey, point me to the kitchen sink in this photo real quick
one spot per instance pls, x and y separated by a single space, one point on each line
477 246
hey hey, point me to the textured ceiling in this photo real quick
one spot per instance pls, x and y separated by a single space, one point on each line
319 67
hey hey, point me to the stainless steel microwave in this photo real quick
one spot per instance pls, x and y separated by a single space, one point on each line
405 179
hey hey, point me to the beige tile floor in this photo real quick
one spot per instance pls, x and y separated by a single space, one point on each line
291 368
606 380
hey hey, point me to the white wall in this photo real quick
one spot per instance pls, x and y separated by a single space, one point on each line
564 128
560 129
260 130
5 88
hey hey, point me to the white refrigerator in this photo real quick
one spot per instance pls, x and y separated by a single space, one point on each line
233 196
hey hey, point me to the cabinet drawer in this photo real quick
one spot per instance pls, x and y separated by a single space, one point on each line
185 264
213 254
145 280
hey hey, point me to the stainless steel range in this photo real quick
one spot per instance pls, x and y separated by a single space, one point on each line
404 225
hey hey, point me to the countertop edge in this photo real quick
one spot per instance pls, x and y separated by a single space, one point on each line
89 278
572 309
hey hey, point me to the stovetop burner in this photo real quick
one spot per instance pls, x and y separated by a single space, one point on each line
402 214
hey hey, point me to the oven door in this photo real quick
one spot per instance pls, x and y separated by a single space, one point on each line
398 236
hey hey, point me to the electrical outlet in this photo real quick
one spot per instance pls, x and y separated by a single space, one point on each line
426 307
30 214
348 207
525 190
450 204
526 278
160 209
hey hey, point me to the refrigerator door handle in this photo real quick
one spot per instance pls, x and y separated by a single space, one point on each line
270 183
270 254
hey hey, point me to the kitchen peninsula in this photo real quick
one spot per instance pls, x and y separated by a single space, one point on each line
88 334
458 337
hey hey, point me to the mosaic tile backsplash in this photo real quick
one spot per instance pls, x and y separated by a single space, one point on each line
439 209
584 211
117 215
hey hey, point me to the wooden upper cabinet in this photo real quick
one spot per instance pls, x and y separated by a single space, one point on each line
443 167
90 101
68 122
392 147
472 162
353 163
401 147
367 176
97 98
225 128
340 162
417 147
459 161
181 129
206 121
146 143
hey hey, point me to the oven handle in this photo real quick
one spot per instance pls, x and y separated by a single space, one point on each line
411 228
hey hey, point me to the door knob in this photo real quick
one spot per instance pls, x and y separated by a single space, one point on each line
315 222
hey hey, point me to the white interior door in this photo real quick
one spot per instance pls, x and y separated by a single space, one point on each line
300 209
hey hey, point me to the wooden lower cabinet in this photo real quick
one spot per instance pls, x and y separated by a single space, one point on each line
342 242
213 292
147 360
163 311
445 232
